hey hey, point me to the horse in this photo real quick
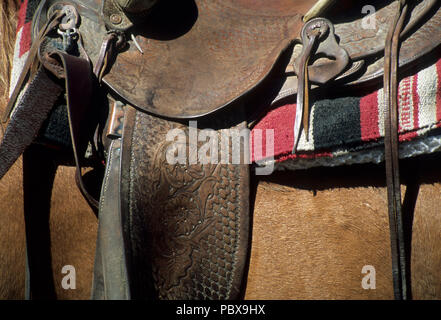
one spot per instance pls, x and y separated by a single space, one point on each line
310 238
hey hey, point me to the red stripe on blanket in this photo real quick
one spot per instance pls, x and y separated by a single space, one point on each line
25 40
369 117
281 120
22 15
408 118
309 155
416 103
24 28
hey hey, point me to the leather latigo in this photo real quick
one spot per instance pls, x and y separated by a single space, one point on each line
194 218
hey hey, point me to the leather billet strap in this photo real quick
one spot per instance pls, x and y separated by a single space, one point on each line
78 75
31 111
398 251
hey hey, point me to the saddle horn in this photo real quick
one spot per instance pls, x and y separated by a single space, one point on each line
122 14
136 6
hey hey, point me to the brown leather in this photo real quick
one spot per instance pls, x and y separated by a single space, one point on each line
110 276
38 100
416 43
133 86
39 169
398 251
209 43
188 223
78 81
30 113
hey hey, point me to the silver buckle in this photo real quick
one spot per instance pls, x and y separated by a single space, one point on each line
69 36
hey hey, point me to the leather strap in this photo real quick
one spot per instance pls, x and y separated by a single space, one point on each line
302 107
318 38
43 92
78 76
107 50
398 251
110 276
38 176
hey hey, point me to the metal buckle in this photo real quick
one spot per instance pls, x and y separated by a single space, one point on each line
69 36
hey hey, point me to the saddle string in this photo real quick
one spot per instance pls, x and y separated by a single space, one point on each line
398 252
302 107
113 41
105 50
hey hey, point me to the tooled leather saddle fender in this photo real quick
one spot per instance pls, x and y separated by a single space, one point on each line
180 231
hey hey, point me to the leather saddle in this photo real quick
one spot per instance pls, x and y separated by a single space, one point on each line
205 55
180 231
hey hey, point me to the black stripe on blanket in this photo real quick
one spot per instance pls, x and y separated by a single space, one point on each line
336 122
30 9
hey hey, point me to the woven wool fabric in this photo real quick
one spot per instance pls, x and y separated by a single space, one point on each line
351 124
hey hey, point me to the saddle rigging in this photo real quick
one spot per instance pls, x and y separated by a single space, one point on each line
181 230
